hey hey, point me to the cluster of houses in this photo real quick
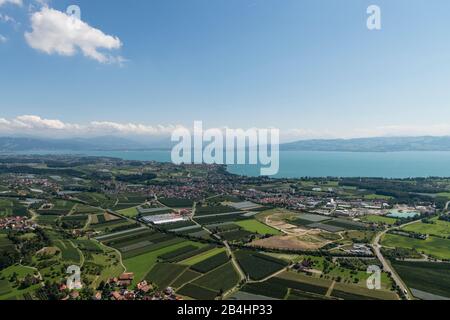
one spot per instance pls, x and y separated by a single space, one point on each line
143 290
120 292
17 224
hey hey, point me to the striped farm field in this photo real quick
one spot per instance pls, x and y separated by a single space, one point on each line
255 226
141 264
163 274
203 256
211 263
220 279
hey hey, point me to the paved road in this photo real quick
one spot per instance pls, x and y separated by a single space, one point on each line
386 266
447 205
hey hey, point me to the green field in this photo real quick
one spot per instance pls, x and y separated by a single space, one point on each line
186 277
258 266
379 219
425 276
68 251
351 292
436 228
12 207
201 257
9 290
211 263
141 264
163 274
255 226
433 246
129 212
197 292
220 279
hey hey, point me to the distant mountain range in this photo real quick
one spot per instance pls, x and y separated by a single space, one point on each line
372 144
108 143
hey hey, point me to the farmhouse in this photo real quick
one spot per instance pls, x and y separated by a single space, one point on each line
125 279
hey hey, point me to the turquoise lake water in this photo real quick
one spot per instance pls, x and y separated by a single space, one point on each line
294 164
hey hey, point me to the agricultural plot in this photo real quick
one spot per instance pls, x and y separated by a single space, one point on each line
302 283
236 235
433 246
177 203
202 256
329 224
435 227
56 208
200 234
197 292
89 245
68 251
129 212
266 289
258 266
6 244
245 205
97 199
379 219
106 222
81 209
220 280
428 277
142 212
12 207
211 263
325 227
178 226
212 210
136 244
227 217
74 222
351 292
171 256
47 220
346 224
301 295
141 264
4 287
187 276
163 274
255 226
300 287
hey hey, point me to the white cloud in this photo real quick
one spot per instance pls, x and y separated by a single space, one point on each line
55 32
36 125
32 124
16 2
3 39
131 128
6 18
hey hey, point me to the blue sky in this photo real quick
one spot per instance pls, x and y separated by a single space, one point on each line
308 67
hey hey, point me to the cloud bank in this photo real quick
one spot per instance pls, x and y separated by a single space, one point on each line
55 32
38 126
32 124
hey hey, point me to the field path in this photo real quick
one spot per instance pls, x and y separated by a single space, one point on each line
234 261
330 289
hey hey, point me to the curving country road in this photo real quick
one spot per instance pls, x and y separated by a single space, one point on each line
386 266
